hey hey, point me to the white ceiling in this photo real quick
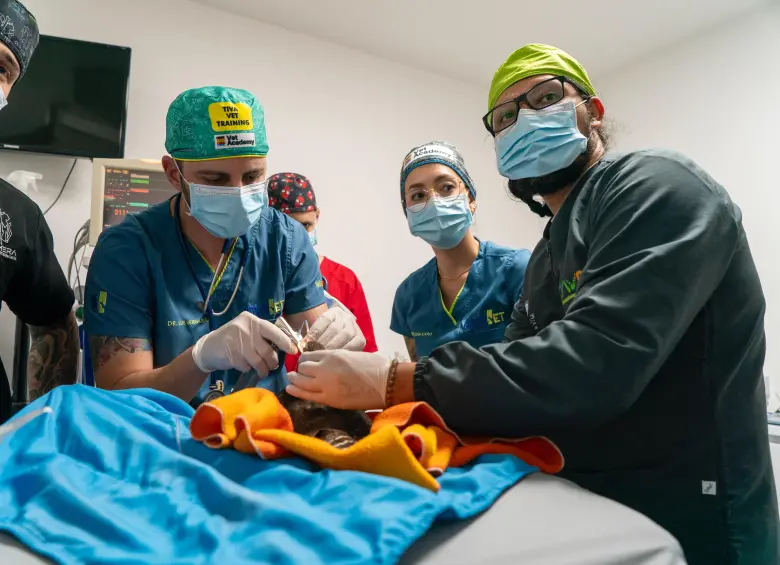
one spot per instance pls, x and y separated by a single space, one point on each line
468 39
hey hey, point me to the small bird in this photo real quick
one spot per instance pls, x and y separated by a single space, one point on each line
339 428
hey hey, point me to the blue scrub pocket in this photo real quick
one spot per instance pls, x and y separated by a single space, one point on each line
485 337
487 320
484 329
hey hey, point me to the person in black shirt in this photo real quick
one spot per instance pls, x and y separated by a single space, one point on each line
639 345
32 283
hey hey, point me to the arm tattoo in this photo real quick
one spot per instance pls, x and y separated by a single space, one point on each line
103 348
53 358
411 348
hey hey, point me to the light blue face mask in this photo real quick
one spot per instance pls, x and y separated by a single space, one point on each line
227 211
3 99
442 222
313 236
540 142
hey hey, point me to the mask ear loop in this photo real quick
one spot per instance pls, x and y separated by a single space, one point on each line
185 181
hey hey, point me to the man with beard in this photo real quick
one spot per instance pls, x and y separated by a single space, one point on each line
639 345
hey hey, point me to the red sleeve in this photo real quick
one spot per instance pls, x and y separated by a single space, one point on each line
344 285
359 307
291 362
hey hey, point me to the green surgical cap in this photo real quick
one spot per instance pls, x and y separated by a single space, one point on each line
537 59
215 122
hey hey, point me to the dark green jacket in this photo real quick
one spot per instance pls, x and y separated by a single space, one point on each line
638 348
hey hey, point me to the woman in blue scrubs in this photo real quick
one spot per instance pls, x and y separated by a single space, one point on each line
467 291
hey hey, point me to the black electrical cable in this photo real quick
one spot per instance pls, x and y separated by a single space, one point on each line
63 187
77 264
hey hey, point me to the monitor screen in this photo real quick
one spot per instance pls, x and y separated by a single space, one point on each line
71 101
127 191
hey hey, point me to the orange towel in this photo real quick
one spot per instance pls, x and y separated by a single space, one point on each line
409 441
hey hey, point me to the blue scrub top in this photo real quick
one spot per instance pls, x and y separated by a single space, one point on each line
139 284
481 310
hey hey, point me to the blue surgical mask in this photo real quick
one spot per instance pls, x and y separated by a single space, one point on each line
313 236
227 211
442 222
3 99
540 142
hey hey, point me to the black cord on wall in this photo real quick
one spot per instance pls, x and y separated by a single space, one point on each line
64 184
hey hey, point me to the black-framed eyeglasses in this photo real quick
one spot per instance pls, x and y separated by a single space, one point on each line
538 97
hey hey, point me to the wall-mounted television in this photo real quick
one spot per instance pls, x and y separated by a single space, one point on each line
71 101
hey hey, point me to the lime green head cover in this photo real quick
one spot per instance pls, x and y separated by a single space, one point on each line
537 59
215 122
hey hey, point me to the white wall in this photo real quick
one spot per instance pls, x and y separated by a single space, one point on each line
715 98
342 118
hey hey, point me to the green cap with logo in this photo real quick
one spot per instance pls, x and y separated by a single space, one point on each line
215 122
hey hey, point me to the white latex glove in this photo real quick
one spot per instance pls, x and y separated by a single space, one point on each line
244 343
350 380
337 329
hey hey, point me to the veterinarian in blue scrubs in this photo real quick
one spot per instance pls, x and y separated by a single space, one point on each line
182 297
467 291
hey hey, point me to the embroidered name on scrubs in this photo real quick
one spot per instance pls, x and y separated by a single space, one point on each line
178 323
568 288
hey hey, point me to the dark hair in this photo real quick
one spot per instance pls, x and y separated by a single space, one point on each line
604 132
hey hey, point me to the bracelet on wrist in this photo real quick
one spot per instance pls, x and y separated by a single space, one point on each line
390 390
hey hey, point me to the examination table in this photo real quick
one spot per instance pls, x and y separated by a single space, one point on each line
543 520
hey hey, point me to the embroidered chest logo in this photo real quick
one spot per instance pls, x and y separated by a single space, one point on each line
568 288
275 307
99 302
5 237
494 317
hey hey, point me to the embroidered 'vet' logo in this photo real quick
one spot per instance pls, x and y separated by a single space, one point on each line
275 307
101 302
494 317
568 288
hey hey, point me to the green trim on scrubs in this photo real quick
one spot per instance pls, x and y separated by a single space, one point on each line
449 311
224 268
481 309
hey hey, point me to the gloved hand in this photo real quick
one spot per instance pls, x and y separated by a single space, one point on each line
244 343
350 380
337 329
